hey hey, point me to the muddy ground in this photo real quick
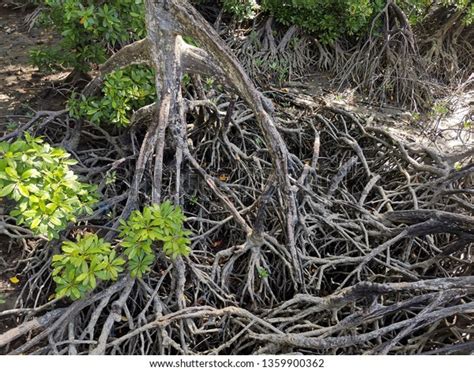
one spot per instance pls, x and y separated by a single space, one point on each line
23 87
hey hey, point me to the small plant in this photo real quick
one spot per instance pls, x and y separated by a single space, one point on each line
440 109
258 62
280 70
124 91
263 273
110 177
11 126
2 299
194 200
458 166
209 82
162 223
82 263
415 116
48 194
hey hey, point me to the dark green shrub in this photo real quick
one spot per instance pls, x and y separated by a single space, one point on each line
90 29
328 19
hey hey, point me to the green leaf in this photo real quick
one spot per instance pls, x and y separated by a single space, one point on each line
29 213
61 293
102 275
35 223
7 189
93 282
59 280
23 189
30 173
55 220
57 258
76 294
82 277
11 172
118 262
33 188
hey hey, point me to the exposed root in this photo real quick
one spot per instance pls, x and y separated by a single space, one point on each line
275 56
387 67
382 238
449 52
313 231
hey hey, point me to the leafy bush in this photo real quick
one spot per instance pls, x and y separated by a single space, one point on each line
464 6
89 30
329 19
48 194
156 223
82 263
123 92
469 17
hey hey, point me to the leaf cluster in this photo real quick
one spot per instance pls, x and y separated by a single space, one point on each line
82 263
157 223
48 194
263 273
90 29
123 92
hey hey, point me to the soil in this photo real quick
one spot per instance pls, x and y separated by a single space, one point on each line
24 87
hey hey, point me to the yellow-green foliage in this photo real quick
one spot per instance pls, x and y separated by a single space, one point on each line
81 264
48 194
162 223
